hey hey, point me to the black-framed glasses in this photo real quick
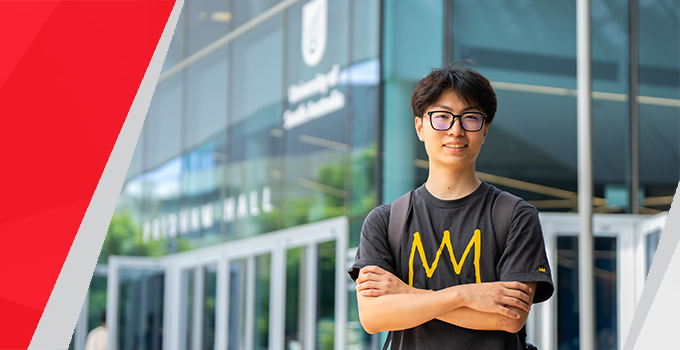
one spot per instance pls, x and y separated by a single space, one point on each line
442 120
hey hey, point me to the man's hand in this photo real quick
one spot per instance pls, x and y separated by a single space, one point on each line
498 297
373 281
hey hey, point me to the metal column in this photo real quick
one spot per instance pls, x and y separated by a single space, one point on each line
585 178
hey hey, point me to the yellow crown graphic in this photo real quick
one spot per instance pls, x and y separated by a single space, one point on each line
542 269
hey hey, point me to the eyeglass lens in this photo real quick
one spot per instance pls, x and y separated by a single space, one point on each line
443 121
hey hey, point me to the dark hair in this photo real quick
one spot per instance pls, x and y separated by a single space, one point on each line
103 316
470 86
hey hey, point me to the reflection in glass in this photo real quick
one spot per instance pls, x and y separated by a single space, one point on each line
294 302
254 141
659 77
209 307
606 298
325 311
140 321
237 303
202 175
262 284
208 20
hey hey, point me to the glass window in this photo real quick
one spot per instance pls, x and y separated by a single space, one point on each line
316 114
610 107
325 322
237 302
202 177
140 323
187 309
659 102
209 310
161 198
245 10
206 99
163 123
129 205
262 292
364 77
606 297
208 20
365 30
294 299
254 168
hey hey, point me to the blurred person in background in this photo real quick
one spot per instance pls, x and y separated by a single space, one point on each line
98 337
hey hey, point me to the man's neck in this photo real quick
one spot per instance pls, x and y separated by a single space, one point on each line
449 184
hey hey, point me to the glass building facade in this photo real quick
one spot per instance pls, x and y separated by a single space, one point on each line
272 115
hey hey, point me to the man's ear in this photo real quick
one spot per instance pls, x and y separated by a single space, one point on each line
486 130
419 128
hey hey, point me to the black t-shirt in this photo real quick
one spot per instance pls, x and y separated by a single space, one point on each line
434 229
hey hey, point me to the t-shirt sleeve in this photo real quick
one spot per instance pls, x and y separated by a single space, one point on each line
524 258
374 247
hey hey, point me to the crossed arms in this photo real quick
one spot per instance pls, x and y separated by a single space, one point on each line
386 303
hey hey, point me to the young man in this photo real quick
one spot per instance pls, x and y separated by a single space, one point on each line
451 287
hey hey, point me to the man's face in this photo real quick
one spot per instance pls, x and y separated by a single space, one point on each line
454 148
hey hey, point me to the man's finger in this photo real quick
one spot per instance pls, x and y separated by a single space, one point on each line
366 285
507 312
518 286
373 269
519 295
368 277
518 304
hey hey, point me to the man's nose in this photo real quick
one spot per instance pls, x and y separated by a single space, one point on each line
457 128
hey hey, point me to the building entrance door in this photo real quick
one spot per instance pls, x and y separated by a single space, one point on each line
554 324
281 290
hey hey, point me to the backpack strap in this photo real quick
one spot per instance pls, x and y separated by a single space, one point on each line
501 217
395 228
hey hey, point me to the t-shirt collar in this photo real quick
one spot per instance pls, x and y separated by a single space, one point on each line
455 203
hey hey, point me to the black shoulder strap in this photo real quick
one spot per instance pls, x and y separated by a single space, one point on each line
395 228
501 217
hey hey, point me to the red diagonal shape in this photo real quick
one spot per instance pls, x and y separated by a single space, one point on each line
71 70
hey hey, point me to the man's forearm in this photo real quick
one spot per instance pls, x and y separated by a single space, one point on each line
466 317
484 321
474 319
404 311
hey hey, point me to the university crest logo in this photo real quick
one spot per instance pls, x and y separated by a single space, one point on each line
314 31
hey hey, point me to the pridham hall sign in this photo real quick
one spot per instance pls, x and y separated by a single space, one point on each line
203 217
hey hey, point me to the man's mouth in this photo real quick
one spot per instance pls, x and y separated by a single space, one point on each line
455 146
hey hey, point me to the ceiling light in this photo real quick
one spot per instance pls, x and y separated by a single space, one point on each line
221 16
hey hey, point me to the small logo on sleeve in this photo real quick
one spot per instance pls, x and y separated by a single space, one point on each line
541 269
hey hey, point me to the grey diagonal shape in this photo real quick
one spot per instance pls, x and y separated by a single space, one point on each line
61 312
662 258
